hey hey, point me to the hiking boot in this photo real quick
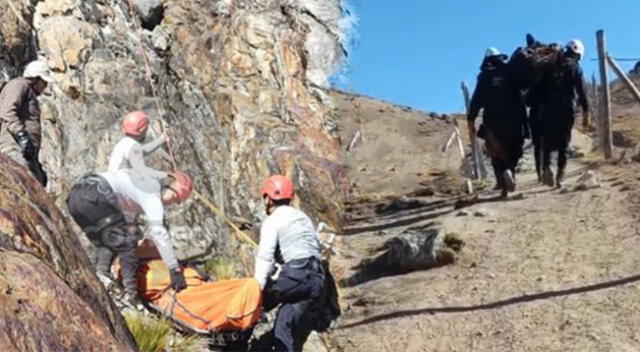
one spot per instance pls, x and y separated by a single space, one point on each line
499 179
559 179
131 300
106 281
547 177
509 181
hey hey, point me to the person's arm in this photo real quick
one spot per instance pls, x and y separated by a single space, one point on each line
477 101
152 146
160 237
14 94
116 158
266 252
136 159
582 96
152 207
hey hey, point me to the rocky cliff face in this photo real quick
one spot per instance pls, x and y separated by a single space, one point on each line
236 83
50 299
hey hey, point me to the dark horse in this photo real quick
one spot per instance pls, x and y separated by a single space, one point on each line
532 68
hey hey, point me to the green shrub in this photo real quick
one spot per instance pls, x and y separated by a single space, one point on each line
153 334
221 268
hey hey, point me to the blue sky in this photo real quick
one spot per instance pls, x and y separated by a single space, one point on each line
417 52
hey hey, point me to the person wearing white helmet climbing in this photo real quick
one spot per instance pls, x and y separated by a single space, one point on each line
20 128
129 153
107 207
288 234
558 110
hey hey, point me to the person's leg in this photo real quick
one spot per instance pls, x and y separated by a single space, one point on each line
116 238
514 150
297 289
496 153
537 156
547 174
104 259
563 146
498 173
287 320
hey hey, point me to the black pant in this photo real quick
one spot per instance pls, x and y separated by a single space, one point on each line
93 205
557 125
299 286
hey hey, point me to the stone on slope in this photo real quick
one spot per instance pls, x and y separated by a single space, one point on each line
414 249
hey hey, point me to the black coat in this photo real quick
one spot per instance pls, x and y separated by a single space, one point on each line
565 87
501 101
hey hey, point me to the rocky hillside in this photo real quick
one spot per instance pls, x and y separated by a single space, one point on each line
393 150
625 112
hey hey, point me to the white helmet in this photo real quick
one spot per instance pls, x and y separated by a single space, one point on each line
38 69
492 51
576 46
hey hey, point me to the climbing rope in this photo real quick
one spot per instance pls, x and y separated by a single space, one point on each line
241 234
165 127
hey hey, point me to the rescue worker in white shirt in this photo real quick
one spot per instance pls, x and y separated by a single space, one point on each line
129 153
290 233
107 205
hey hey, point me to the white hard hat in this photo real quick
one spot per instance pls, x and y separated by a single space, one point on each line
38 69
492 51
576 46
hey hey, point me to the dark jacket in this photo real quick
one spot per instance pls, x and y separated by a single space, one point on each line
496 94
19 111
565 87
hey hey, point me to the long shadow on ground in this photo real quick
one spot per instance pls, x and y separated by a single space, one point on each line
498 304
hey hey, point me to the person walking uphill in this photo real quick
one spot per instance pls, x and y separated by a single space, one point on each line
20 128
107 206
129 153
504 118
288 233
557 113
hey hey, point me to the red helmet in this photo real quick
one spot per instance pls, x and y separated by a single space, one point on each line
135 124
277 187
182 185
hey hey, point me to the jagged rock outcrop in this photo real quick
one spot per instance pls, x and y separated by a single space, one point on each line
50 298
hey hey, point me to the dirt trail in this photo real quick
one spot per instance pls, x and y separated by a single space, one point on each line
548 271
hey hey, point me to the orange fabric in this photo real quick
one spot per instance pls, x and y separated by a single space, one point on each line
227 305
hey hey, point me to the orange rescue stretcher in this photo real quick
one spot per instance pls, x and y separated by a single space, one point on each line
225 310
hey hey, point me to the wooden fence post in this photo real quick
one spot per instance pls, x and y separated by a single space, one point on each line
606 96
477 163
595 113
624 78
